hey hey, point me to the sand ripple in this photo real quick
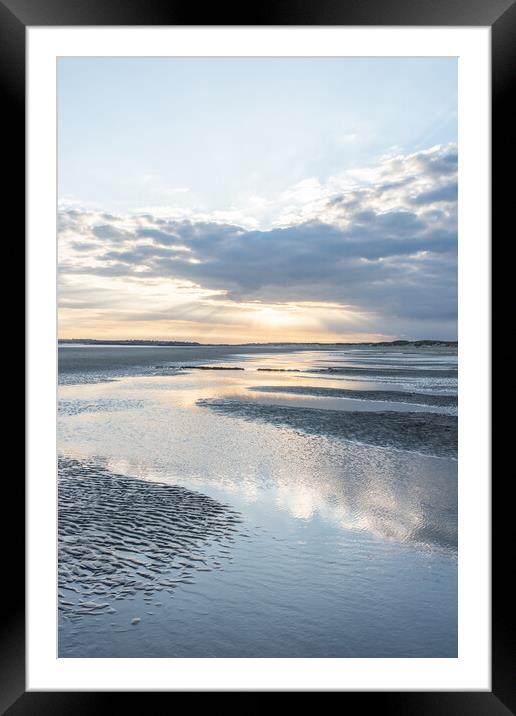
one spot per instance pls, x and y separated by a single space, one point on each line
99 405
121 537
426 433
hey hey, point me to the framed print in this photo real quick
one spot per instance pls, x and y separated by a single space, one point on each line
258 433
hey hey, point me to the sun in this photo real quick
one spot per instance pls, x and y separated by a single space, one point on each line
273 317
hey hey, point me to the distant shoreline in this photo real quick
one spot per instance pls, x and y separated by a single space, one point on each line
194 344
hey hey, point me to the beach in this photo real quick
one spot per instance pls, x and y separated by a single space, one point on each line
257 501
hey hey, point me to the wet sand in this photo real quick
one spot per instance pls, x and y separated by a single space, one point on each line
395 396
119 536
426 433
91 359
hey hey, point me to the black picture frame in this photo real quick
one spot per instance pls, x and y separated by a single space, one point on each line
500 16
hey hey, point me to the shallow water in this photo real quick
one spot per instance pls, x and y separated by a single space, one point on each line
323 544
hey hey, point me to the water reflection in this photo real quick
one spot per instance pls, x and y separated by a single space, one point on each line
164 435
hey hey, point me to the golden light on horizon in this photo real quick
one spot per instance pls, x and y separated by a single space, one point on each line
227 324
155 309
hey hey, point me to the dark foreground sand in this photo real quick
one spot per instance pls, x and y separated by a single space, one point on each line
426 433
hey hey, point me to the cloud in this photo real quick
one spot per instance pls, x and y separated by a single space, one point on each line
386 246
447 193
105 231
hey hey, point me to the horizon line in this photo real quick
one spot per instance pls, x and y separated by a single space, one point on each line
249 343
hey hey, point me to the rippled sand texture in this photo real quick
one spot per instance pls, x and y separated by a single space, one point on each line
119 536
426 433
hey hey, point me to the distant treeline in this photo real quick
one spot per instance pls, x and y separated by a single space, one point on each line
413 343
138 342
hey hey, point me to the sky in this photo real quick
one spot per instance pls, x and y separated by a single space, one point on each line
257 199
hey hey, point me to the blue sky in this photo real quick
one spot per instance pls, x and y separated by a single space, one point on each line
250 158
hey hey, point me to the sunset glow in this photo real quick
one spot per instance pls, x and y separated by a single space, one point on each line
327 228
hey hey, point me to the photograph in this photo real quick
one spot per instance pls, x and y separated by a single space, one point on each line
258 247
257 428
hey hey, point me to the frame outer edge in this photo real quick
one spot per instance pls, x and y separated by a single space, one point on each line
503 39
12 81
12 87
